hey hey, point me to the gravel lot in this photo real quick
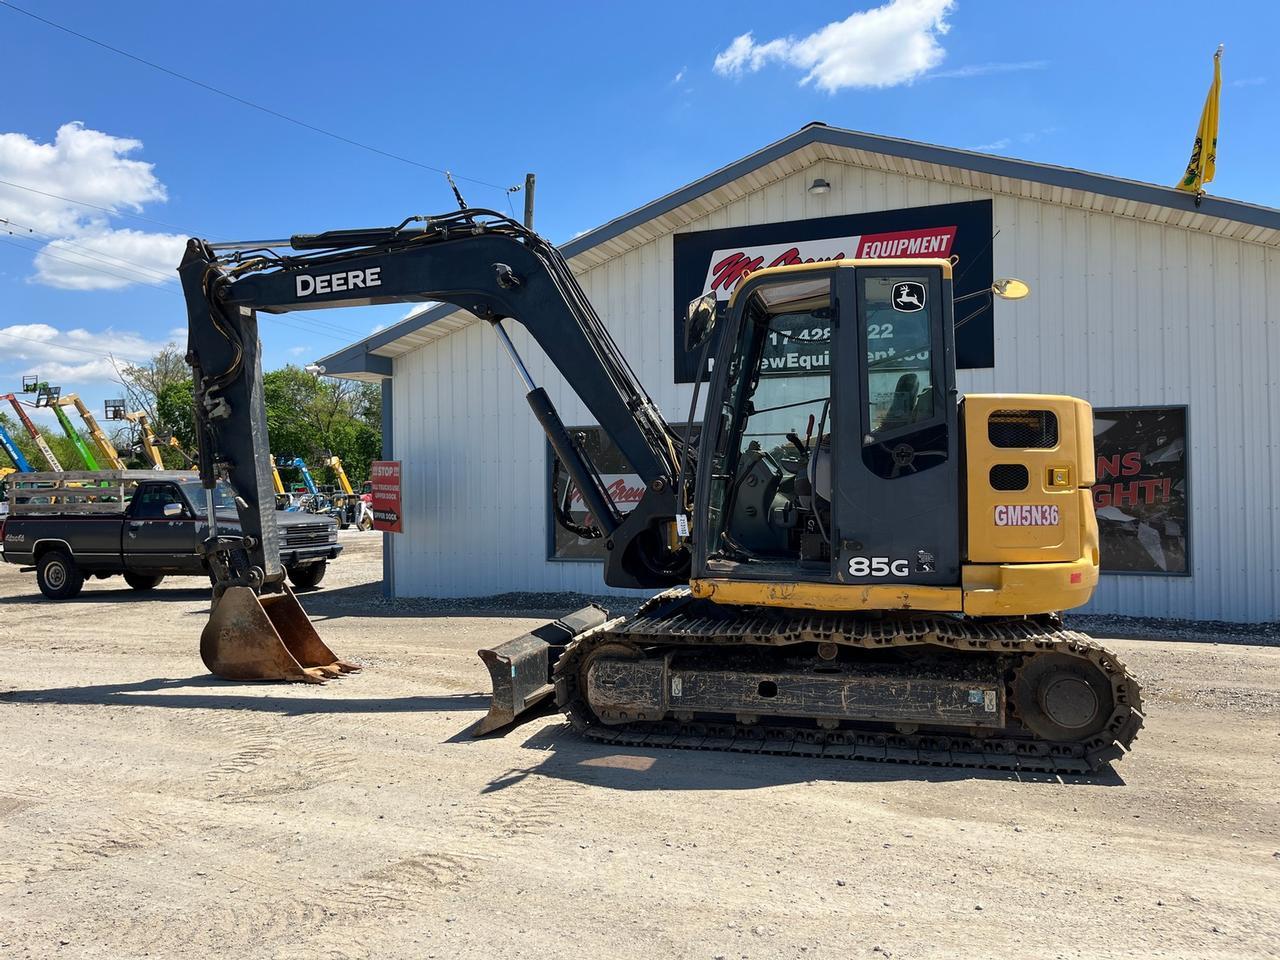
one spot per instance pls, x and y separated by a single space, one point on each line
150 810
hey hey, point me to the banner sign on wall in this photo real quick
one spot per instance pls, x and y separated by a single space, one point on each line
624 486
385 475
715 260
1141 496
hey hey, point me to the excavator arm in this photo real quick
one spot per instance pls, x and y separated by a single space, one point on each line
478 260
481 261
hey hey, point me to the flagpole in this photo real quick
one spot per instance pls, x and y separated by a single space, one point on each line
1217 59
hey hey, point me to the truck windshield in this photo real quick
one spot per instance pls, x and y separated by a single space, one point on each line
222 498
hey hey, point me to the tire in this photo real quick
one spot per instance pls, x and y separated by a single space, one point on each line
304 578
58 576
142 582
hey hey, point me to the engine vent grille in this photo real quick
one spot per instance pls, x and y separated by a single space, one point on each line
1009 476
1023 429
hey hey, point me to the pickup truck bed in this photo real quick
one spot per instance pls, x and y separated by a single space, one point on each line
144 525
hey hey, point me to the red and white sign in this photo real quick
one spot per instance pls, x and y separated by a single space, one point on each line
624 489
1027 515
729 266
385 475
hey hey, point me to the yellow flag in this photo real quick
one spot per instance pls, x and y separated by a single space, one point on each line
1204 153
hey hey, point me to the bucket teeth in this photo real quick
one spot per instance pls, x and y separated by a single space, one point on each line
266 638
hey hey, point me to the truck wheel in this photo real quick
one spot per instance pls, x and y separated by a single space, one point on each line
58 576
309 576
141 582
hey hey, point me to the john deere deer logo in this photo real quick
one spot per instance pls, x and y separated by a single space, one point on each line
908 296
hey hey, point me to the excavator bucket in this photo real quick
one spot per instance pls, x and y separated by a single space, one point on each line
520 669
266 638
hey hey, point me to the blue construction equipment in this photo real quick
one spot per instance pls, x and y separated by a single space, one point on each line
301 466
14 453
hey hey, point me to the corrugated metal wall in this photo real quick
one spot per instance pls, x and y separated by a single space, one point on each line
1122 313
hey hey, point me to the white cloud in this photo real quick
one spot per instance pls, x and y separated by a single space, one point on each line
1003 143
1248 82
96 168
983 69
297 351
883 47
70 356
679 75
109 260
417 310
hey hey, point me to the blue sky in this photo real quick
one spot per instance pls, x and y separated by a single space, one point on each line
611 105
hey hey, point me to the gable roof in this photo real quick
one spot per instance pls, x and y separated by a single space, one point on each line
370 358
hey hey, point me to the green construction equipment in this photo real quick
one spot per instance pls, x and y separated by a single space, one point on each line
49 396
106 448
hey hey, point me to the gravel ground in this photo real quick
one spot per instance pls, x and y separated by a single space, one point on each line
150 810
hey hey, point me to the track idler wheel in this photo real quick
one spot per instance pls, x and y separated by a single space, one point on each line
1063 698
266 638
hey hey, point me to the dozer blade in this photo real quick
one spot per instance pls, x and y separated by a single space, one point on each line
521 668
266 638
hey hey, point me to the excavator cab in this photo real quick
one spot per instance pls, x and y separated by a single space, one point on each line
831 434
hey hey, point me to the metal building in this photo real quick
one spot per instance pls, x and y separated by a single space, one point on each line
1163 314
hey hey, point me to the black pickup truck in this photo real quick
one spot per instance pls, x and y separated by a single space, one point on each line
144 524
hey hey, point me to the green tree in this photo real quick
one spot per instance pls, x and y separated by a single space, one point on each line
60 444
307 416
175 412
145 386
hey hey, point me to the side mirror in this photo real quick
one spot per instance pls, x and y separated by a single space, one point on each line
173 509
699 321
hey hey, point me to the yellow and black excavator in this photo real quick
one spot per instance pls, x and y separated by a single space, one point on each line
884 585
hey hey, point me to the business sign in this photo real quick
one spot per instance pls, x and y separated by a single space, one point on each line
622 483
385 476
1141 496
713 261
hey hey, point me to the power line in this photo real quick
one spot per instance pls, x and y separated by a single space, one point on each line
98 255
242 101
96 206
63 346
137 278
159 281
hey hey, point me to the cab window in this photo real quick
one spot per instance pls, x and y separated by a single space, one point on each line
150 501
770 470
899 388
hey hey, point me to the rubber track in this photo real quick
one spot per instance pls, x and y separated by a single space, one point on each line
674 617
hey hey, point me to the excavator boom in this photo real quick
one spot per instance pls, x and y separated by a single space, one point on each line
485 263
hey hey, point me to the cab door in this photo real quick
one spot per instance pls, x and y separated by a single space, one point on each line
896 508
160 532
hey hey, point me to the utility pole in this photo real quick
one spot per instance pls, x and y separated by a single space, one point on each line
529 179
